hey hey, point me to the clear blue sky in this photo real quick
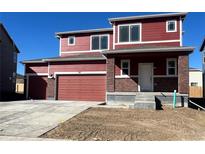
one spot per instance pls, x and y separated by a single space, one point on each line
34 33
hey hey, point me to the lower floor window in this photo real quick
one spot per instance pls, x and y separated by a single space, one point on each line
171 66
125 67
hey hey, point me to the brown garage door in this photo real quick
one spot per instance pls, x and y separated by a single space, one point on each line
37 87
82 87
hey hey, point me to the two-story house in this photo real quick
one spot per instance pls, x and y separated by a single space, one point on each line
137 54
8 63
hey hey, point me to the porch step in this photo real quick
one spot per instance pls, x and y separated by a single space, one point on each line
144 100
143 105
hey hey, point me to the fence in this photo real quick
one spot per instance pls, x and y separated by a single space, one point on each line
195 91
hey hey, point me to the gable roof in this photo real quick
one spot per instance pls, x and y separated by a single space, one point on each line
202 45
182 14
58 34
4 29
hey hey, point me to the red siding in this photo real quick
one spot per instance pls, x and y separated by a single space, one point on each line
77 66
82 88
82 43
127 46
37 68
153 30
159 63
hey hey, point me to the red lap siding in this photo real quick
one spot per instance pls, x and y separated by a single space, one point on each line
37 68
77 66
82 88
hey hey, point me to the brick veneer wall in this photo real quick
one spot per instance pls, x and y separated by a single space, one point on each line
50 88
167 84
183 74
126 84
110 74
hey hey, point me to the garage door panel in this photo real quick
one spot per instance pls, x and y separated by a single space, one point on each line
37 87
83 88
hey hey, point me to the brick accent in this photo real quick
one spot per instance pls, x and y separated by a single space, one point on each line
183 74
126 84
168 84
50 88
110 74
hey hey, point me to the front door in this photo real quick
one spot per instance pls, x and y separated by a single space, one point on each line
145 77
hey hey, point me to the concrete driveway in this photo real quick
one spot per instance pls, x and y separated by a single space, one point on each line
33 118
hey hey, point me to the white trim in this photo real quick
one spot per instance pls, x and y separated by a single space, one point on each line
130 42
164 76
170 31
147 42
181 32
100 35
73 40
126 76
113 37
152 75
122 61
36 74
171 59
60 46
79 73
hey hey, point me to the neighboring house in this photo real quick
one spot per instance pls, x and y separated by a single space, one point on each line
202 49
137 54
195 83
19 83
8 63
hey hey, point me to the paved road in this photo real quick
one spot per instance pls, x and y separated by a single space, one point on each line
33 118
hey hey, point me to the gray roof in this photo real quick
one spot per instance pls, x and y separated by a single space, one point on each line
191 69
74 57
149 49
84 31
148 16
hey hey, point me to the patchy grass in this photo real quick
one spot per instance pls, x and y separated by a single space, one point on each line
132 124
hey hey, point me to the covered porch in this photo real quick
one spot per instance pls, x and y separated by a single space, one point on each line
134 71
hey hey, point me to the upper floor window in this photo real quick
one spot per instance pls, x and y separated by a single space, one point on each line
125 67
171 66
129 33
171 26
99 42
71 40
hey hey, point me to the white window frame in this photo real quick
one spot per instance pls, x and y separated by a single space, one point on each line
122 61
175 60
167 27
108 41
73 40
129 42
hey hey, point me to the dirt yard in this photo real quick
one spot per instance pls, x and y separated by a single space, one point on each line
130 124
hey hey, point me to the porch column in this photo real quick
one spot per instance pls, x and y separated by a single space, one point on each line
110 74
183 74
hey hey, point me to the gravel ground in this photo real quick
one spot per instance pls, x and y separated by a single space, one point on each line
131 124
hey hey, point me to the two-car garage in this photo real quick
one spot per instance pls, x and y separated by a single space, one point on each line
70 87
79 77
